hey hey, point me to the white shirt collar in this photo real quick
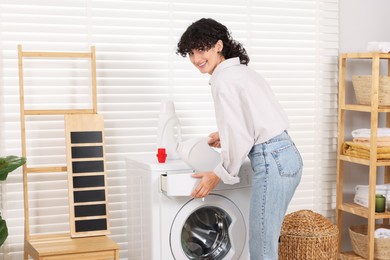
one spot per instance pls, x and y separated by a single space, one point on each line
224 64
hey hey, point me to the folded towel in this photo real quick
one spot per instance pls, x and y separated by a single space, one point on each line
364 132
363 151
378 47
361 201
378 188
382 141
366 194
367 139
382 233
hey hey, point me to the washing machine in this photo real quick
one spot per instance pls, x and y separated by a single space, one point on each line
166 223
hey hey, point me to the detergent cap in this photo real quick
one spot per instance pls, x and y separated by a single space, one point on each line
161 155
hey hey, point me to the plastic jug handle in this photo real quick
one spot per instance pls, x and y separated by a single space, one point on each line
178 133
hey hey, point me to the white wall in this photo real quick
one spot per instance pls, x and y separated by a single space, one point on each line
361 21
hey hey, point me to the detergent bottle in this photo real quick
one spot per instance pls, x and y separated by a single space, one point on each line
169 132
197 153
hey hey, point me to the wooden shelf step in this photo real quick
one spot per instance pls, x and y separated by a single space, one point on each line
364 108
350 256
361 211
362 161
364 55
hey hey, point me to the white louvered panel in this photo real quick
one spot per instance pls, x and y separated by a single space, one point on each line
327 130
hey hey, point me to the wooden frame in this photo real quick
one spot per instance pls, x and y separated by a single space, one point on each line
58 246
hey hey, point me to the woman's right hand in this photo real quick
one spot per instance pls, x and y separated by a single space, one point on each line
214 140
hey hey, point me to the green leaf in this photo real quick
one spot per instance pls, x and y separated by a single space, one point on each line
8 164
3 231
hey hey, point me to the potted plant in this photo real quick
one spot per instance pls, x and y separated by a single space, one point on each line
7 165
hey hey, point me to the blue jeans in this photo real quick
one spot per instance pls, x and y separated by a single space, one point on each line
277 167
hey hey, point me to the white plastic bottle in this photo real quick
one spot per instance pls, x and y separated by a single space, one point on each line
197 153
168 132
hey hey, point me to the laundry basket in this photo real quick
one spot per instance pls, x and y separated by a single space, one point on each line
362 87
359 241
308 235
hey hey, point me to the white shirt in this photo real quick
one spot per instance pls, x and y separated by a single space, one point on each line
247 113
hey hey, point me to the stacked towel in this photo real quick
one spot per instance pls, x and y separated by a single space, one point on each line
378 47
362 193
360 145
363 132
362 151
382 141
382 233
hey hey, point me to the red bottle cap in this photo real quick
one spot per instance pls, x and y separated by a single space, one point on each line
161 155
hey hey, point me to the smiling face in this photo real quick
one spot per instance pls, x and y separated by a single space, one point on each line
207 60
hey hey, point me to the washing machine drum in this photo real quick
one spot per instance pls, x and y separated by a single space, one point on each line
213 229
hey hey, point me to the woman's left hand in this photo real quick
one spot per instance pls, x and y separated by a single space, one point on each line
209 180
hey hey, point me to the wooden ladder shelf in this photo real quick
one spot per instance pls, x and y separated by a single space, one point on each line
59 246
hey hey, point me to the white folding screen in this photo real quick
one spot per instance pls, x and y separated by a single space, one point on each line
292 43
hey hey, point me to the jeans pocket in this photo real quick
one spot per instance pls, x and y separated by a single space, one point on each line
288 160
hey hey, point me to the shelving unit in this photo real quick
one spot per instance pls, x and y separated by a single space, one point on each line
374 110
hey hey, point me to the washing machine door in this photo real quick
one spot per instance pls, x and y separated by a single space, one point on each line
209 229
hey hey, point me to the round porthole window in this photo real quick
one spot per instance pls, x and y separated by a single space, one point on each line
209 229
205 234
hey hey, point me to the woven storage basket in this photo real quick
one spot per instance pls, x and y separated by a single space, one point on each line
308 235
362 87
359 241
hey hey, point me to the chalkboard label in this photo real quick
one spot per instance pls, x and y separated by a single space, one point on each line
91 225
89 195
87 152
88 181
90 210
86 137
88 166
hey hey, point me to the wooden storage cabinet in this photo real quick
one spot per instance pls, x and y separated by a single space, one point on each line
374 110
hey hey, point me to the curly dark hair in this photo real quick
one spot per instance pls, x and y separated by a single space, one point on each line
204 34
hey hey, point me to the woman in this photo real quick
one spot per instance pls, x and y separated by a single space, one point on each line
251 123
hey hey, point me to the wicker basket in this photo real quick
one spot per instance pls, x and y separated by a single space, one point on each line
362 87
308 235
359 242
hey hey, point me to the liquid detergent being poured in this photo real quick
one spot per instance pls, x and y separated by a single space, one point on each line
169 132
